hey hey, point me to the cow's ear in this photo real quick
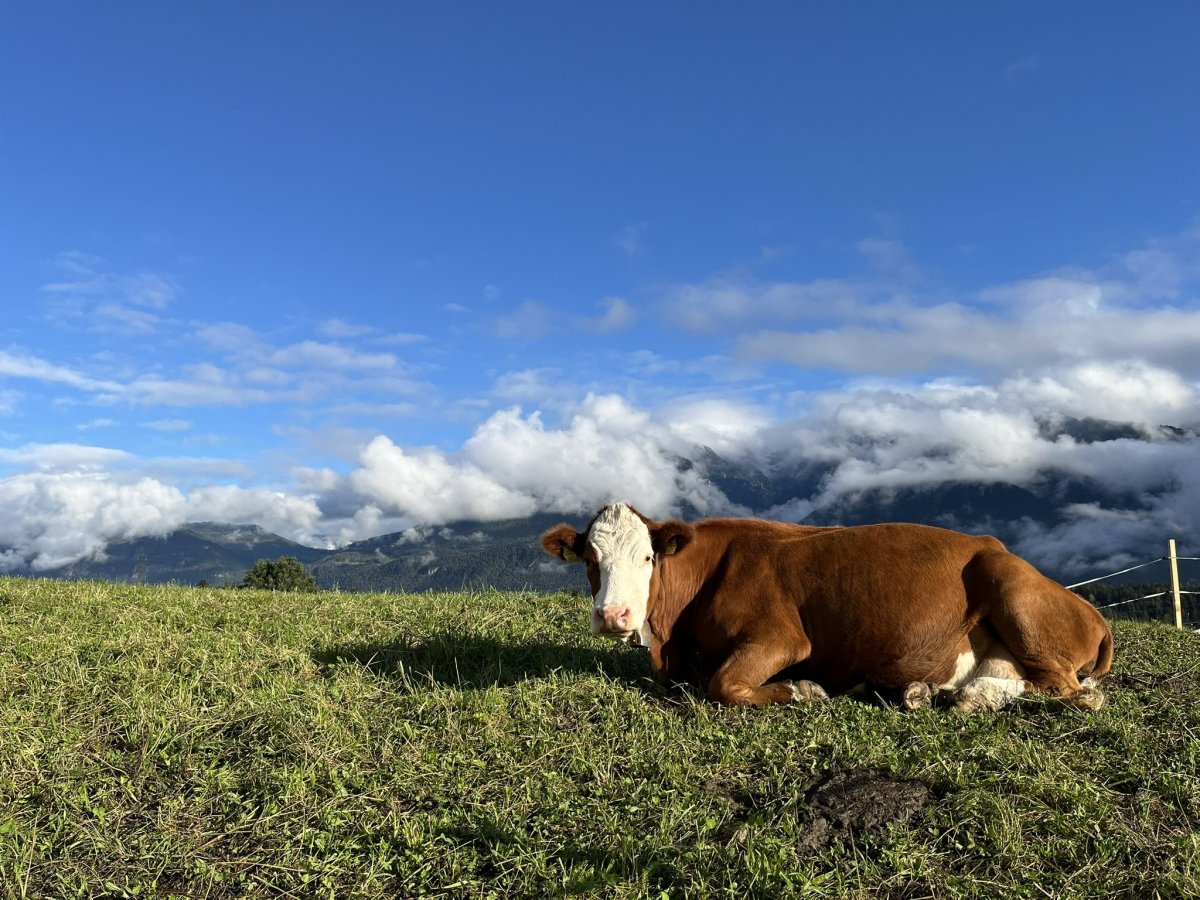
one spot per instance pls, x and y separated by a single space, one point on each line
670 537
564 542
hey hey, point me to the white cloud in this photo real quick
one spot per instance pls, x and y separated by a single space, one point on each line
528 322
1139 306
77 262
62 457
168 425
631 239
1026 325
886 257
726 427
533 320
233 337
149 290
106 301
55 519
403 338
207 385
545 386
121 319
268 377
618 315
95 423
606 450
339 329
293 516
379 412
514 465
19 364
735 303
428 487
318 355
1122 390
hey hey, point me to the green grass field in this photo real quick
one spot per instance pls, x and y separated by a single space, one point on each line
162 741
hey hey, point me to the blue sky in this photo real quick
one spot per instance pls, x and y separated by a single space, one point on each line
344 269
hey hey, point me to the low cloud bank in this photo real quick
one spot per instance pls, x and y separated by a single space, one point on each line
872 438
56 518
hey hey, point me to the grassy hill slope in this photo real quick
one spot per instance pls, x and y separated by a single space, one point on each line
162 741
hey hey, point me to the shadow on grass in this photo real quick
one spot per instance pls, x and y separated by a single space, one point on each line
473 661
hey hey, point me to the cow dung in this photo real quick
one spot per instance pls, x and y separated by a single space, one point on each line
857 803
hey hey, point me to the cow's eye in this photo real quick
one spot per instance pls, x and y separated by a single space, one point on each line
649 559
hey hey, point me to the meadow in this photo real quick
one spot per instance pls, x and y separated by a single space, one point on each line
181 742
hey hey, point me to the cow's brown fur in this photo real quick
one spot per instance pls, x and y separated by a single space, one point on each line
742 603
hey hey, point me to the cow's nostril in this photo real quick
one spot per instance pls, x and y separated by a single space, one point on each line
620 617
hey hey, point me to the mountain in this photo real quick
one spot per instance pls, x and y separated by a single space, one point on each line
465 555
208 551
504 555
507 555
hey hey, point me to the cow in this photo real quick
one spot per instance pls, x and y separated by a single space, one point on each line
769 612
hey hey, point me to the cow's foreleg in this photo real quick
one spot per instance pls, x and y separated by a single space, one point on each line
742 679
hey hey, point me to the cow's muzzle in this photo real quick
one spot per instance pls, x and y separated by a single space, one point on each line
614 622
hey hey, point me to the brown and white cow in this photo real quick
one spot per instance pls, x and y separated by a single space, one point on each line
767 612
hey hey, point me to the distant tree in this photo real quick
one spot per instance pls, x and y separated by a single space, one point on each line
202 583
284 574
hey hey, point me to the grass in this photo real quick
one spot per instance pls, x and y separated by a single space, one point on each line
163 741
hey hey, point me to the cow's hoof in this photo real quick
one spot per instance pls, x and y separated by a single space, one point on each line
1089 698
917 695
807 692
967 702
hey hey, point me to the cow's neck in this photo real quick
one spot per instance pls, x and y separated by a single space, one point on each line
678 584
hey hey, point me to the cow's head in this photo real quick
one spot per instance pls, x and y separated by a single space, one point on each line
621 549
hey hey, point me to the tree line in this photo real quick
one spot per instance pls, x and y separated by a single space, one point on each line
1152 609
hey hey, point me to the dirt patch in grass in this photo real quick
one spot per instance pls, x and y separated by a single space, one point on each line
740 803
857 803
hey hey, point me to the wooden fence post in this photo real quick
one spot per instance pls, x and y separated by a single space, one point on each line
1175 582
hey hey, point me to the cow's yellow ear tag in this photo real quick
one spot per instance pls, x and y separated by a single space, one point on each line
672 546
569 555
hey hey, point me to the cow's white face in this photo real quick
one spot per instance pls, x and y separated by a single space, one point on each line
620 561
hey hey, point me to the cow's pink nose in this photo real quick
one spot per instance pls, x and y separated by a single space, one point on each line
617 618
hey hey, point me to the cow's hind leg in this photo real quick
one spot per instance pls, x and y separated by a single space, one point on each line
1051 633
995 682
742 678
987 693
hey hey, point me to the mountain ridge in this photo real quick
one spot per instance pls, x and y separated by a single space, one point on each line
506 554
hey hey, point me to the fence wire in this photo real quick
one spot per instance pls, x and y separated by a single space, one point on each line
1115 574
1147 596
